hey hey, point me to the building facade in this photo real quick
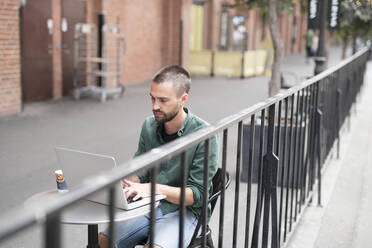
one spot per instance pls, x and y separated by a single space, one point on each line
38 39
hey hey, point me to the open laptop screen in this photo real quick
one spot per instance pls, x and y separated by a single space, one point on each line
78 166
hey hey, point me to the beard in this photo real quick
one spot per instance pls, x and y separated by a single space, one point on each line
162 117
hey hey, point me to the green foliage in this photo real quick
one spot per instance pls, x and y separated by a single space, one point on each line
262 5
356 19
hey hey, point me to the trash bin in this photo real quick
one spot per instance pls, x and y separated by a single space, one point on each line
256 150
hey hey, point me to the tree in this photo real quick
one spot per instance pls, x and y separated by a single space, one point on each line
271 8
274 84
356 21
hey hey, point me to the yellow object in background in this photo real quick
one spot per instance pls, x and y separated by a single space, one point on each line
254 62
227 63
249 63
200 62
267 45
197 22
261 56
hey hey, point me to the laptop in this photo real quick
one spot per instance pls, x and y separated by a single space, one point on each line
77 166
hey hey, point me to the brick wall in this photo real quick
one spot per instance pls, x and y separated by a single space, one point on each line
57 51
185 16
113 11
151 33
148 38
10 83
152 40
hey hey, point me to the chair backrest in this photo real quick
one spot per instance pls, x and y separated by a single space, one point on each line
217 186
217 189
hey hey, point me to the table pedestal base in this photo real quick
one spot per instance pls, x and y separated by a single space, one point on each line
93 236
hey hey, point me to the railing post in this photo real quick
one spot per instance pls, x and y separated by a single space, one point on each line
257 217
299 154
222 200
154 174
274 162
338 113
282 161
112 216
205 193
270 169
249 181
288 170
295 168
183 195
319 115
302 157
237 182
313 133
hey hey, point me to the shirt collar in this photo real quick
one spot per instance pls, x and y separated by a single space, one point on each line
187 120
182 129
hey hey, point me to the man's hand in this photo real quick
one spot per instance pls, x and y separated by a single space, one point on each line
136 191
125 183
133 178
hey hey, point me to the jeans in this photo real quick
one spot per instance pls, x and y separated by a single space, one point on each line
166 232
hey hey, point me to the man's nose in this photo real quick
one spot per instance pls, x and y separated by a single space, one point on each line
155 106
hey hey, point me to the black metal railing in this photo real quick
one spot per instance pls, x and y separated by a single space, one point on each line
281 143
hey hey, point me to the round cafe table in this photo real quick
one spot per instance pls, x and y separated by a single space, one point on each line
89 213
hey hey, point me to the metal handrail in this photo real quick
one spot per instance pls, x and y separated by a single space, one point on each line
21 218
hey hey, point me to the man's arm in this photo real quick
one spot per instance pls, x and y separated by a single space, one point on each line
196 174
144 176
173 194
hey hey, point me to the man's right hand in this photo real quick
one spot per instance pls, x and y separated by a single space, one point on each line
136 191
126 182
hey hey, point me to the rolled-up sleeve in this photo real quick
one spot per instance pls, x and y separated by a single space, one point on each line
196 172
143 177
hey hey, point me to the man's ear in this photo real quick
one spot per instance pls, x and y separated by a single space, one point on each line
184 97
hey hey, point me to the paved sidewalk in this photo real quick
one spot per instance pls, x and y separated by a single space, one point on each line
344 221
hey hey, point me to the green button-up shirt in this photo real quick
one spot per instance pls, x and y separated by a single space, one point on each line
170 170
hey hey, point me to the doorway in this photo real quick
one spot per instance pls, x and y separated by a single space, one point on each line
73 12
37 47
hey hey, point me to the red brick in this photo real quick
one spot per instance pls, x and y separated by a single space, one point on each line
10 97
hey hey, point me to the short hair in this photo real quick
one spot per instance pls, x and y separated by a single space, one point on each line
177 75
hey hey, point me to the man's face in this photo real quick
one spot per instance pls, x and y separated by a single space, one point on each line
165 103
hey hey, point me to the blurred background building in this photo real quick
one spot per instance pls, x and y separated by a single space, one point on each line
39 57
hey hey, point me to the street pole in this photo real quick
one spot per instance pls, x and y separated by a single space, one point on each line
320 56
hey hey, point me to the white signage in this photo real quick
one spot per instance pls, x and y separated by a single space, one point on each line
334 13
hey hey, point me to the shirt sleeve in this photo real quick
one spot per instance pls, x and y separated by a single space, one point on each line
196 172
141 149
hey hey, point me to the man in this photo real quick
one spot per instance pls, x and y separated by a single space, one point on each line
309 41
170 120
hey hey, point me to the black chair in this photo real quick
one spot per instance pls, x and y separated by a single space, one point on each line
196 240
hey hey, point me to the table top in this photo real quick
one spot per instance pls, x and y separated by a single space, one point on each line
87 212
